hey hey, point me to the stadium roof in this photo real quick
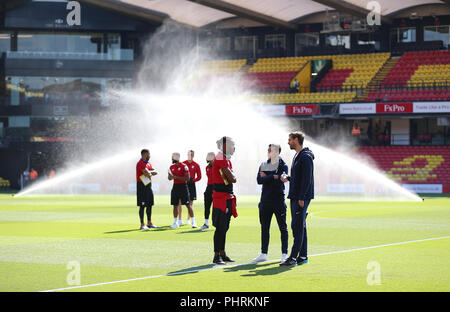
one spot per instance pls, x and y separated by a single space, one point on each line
278 13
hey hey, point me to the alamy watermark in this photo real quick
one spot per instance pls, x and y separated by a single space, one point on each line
374 275
74 16
74 276
374 16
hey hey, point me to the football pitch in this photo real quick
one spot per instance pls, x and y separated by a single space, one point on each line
92 243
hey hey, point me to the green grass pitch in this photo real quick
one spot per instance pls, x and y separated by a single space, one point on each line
47 242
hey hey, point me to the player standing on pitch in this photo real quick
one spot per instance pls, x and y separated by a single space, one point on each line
179 195
209 190
301 192
144 173
224 201
272 201
195 176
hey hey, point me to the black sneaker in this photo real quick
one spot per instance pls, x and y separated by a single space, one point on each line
227 259
289 262
218 260
302 260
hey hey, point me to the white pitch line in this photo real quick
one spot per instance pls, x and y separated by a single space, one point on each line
224 267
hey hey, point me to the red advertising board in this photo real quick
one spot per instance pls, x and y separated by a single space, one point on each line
394 108
302 109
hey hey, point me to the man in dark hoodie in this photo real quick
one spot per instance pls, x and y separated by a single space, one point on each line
272 201
301 191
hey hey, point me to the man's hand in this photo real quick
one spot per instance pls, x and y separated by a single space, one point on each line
262 174
284 179
301 203
153 173
275 177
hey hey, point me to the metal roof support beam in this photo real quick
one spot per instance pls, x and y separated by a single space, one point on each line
351 9
246 13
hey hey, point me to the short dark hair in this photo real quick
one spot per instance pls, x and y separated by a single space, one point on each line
144 151
277 146
299 135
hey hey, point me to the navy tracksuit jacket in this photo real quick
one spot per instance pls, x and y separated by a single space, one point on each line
272 202
301 187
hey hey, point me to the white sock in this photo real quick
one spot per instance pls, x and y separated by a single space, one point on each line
175 220
193 220
207 222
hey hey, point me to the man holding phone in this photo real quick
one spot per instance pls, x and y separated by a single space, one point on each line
272 201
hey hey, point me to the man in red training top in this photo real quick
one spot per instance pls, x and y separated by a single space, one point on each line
224 201
209 190
144 173
179 195
195 175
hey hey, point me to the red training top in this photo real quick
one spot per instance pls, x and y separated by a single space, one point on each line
220 198
194 170
209 174
140 166
179 169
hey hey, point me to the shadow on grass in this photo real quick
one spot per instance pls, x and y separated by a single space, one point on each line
255 269
191 270
161 228
122 231
192 231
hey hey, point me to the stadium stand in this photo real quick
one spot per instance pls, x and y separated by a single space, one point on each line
270 81
424 62
409 95
413 164
418 70
352 70
334 79
326 97
274 74
221 66
4 183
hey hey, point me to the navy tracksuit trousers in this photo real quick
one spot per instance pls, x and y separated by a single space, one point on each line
298 225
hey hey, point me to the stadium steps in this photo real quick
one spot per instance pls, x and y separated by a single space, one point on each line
245 68
374 84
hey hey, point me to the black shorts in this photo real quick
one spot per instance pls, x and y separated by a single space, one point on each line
192 191
179 192
144 194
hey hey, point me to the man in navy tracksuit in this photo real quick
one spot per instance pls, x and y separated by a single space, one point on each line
272 201
301 191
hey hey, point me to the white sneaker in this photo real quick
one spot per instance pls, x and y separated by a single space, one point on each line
145 228
180 222
174 225
284 257
261 258
204 227
194 225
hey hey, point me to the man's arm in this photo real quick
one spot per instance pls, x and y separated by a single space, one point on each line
183 178
198 174
229 175
306 177
264 178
